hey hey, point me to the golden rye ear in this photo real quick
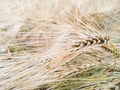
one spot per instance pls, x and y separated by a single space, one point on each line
37 33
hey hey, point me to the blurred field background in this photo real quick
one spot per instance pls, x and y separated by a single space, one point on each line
34 32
